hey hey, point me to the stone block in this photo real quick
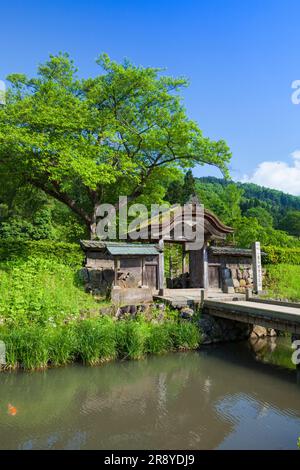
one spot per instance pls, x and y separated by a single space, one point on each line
259 332
131 296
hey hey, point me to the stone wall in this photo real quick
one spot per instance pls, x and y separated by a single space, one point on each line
219 330
98 281
241 270
131 296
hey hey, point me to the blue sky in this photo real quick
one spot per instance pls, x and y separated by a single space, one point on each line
241 58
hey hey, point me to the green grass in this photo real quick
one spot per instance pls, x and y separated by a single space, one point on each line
283 281
94 340
46 319
41 291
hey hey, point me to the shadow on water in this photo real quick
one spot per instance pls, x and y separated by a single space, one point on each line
218 397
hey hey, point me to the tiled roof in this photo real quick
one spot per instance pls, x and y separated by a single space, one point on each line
232 251
120 248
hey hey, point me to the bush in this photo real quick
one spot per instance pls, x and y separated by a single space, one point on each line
283 281
186 335
278 255
93 341
131 337
160 338
69 254
26 347
96 340
42 291
62 344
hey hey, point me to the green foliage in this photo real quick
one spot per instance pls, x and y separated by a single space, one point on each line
96 340
291 223
248 230
275 202
85 141
131 338
186 335
27 346
283 281
160 339
42 291
27 213
62 344
279 255
69 254
181 189
264 218
224 201
173 259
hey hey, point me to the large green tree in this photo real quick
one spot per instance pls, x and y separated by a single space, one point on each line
290 223
87 141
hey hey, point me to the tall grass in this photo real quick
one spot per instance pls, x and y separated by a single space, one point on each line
283 281
40 290
131 336
94 341
42 323
26 347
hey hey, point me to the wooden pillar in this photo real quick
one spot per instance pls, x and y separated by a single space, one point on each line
144 280
116 267
161 267
205 267
183 265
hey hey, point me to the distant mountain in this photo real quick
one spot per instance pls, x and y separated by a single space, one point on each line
275 202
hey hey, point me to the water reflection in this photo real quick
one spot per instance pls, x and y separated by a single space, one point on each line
220 397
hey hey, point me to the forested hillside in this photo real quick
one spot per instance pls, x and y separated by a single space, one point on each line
275 202
257 213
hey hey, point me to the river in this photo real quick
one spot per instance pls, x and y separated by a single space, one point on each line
228 396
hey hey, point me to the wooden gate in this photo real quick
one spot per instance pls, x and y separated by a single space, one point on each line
151 275
214 277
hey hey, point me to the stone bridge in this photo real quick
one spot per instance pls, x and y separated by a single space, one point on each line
282 316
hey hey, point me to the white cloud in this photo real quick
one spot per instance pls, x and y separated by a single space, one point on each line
278 175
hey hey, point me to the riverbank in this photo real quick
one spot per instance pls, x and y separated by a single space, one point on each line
94 341
47 319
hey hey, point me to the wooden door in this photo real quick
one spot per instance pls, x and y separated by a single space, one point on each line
151 275
214 277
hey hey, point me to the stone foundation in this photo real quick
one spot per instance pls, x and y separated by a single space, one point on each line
219 330
131 296
98 281
242 277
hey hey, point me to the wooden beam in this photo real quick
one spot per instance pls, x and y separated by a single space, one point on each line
161 267
205 267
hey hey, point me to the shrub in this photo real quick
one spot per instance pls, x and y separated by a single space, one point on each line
39 290
283 281
278 255
186 335
160 338
69 254
131 337
96 340
26 347
62 344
